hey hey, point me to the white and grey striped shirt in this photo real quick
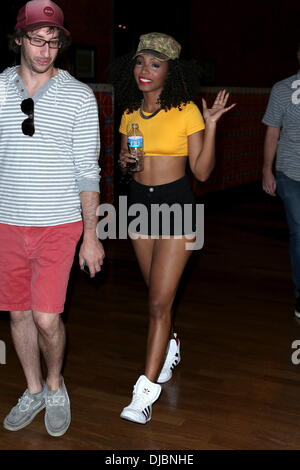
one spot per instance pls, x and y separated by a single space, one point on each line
42 176
283 111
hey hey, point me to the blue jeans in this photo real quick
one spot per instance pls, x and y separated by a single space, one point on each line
289 191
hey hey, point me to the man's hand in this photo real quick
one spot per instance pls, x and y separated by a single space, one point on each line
269 183
91 251
92 254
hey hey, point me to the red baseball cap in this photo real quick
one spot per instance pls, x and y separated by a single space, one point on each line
39 13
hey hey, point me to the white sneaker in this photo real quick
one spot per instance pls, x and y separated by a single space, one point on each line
145 393
171 361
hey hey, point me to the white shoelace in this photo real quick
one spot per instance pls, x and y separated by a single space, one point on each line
24 402
56 400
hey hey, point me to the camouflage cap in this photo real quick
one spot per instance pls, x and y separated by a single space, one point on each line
160 45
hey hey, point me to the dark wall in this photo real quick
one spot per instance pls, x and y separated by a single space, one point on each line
7 22
237 43
90 23
246 43
131 19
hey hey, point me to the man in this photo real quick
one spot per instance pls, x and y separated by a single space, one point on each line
49 182
283 139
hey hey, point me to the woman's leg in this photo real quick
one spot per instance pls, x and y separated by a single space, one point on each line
143 250
162 262
169 259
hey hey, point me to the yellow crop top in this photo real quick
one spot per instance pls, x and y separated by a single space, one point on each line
167 132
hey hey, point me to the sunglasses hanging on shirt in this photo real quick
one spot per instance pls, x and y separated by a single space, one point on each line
27 106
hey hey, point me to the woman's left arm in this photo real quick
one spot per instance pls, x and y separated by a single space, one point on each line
202 144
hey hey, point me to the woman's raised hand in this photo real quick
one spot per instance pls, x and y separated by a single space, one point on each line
211 115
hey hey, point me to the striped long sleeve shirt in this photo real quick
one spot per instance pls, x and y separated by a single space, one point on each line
41 177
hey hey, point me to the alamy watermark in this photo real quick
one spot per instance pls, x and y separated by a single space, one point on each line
296 94
296 354
164 220
2 353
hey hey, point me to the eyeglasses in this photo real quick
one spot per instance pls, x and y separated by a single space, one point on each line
53 43
27 107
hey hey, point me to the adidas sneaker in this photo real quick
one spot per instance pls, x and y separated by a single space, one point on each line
145 393
171 361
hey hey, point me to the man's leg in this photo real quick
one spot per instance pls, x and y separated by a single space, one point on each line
25 338
51 262
289 191
52 341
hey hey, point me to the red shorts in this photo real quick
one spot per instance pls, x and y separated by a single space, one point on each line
35 264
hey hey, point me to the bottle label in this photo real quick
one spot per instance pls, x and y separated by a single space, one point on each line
135 141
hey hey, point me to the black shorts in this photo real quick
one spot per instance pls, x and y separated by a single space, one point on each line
162 210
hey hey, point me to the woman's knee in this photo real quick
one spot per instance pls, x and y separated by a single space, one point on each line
159 308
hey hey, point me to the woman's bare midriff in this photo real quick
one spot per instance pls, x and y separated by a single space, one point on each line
161 170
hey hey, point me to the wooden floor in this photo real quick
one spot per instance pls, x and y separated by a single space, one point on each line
236 387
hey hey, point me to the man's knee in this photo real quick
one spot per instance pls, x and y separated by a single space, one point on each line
47 323
17 317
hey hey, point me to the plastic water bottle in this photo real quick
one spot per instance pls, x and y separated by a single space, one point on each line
135 141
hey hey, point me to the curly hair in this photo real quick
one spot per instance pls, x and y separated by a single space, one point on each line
181 86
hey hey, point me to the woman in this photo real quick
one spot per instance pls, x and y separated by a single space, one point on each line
154 92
